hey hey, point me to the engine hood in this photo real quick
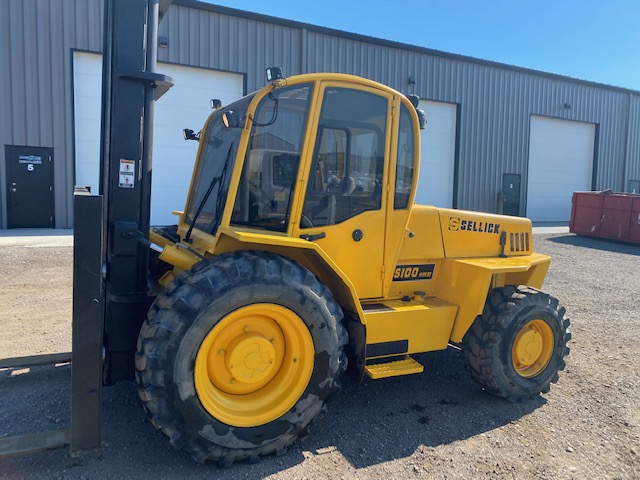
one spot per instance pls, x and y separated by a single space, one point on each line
468 234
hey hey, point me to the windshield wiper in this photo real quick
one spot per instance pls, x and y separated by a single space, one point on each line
213 183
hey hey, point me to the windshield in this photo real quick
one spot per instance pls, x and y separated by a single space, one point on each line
215 165
271 164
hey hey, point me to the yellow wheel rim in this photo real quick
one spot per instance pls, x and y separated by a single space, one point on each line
532 348
254 365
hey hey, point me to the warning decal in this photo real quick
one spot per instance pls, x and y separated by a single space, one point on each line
127 173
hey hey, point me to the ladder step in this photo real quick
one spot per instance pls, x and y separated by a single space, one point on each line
393 369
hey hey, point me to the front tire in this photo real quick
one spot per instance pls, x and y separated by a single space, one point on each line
239 356
516 348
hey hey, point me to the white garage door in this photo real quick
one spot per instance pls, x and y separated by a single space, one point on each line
437 155
185 105
560 163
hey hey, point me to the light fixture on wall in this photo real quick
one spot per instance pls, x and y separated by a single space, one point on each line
412 81
163 42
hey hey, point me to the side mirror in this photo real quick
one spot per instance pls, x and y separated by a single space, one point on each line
190 134
216 103
422 118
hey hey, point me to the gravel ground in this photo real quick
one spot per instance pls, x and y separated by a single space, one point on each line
435 425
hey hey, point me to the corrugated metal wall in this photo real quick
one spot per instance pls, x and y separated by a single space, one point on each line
232 44
495 102
36 96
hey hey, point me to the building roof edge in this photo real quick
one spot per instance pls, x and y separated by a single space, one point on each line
391 43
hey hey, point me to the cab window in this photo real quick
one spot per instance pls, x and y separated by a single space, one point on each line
346 175
405 160
272 159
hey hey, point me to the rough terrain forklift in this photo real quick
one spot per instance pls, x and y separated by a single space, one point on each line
300 254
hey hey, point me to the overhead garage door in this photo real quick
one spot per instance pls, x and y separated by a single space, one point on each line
560 163
186 105
437 154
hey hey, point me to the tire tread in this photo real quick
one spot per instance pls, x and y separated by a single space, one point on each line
483 340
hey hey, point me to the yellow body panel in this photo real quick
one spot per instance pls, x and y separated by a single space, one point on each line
421 244
361 261
309 254
466 283
425 322
470 234
423 238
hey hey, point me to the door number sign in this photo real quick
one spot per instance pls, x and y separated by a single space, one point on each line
127 173
30 160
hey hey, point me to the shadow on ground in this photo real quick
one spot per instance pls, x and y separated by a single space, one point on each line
384 420
368 424
597 244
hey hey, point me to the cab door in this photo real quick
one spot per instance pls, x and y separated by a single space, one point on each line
343 209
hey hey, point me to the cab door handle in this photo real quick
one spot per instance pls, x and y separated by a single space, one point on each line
311 238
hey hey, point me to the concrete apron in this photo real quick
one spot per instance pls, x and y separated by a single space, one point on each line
36 237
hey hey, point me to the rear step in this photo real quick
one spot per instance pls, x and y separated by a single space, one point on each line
396 368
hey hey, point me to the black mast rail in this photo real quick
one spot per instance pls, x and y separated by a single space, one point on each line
131 86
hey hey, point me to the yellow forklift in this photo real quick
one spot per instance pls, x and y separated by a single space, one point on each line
300 251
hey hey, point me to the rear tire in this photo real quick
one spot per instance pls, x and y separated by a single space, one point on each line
516 348
239 355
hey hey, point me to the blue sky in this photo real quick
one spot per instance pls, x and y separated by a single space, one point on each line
594 40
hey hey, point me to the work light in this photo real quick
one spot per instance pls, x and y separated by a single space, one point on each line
274 73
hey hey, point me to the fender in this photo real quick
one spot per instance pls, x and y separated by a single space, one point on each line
309 254
466 283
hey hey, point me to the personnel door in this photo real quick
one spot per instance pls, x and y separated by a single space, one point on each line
511 192
29 187
343 206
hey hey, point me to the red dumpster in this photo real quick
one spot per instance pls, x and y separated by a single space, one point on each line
606 215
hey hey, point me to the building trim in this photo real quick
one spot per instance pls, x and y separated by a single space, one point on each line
456 158
596 149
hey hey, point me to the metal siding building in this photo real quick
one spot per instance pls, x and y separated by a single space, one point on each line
494 103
